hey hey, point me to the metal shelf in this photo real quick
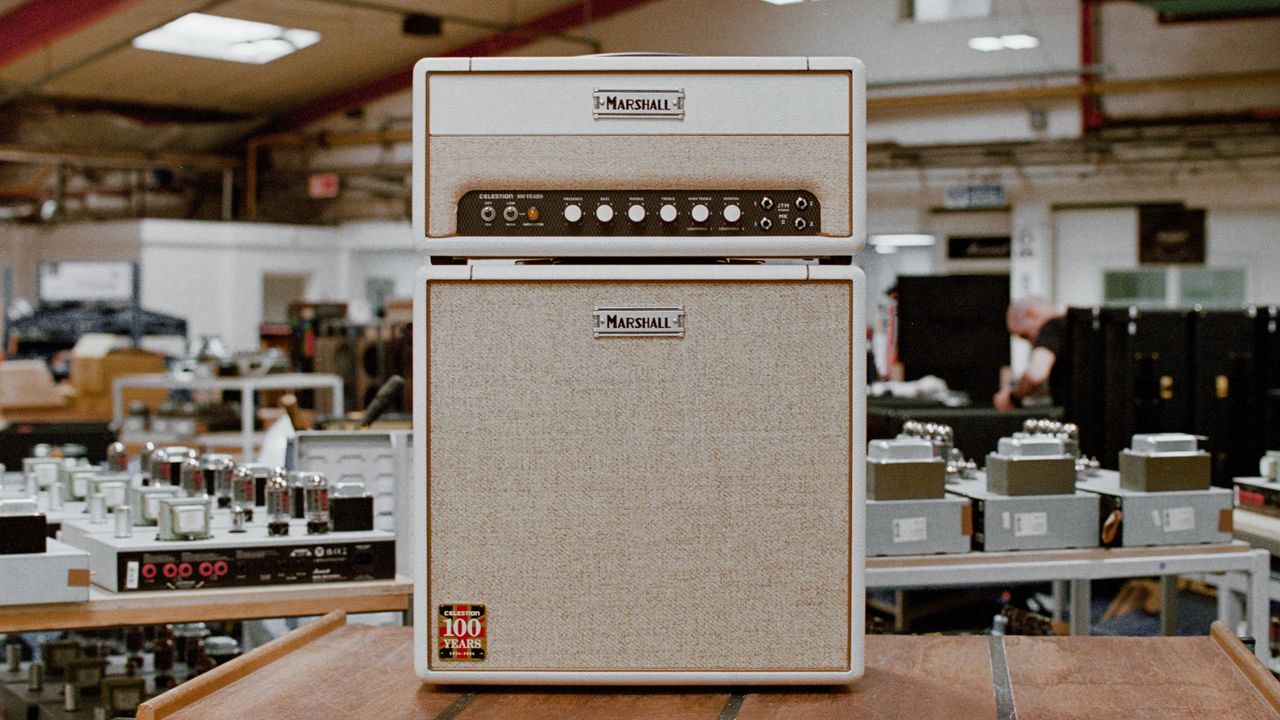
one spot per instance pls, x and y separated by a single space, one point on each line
1081 567
248 387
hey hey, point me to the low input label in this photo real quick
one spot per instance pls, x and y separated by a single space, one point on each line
1031 524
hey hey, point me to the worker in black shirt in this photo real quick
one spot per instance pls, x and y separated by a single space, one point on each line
1037 321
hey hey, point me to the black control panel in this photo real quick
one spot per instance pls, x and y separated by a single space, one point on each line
303 563
685 213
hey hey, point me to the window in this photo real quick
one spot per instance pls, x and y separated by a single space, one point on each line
1212 287
1144 288
939 10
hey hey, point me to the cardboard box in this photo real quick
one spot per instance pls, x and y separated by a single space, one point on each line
28 393
97 360
28 384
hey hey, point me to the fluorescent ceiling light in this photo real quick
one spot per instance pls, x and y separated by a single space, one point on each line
224 38
886 249
985 44
1020 41
1016 41
898 240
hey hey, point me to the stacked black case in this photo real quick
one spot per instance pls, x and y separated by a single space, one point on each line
1214 373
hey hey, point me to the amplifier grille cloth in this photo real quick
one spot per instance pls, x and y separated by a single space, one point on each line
643 503
818 163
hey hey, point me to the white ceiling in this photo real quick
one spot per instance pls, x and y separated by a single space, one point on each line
357 44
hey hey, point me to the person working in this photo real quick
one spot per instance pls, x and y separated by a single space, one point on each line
1036 320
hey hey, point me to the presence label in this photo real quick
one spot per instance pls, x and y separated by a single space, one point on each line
1178 519
1032 524
657 104
912 529
461 632
639 322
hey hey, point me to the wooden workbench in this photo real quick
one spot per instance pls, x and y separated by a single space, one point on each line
110 609
332 670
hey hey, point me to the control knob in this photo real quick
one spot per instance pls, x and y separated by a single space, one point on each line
604 213
635 213
668 213
700 213
731 213
572 213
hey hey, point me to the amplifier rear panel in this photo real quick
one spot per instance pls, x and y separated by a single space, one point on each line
642 503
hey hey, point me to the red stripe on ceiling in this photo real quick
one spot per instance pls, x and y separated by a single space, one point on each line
557 21
29 27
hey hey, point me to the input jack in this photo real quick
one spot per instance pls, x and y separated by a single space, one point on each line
487 213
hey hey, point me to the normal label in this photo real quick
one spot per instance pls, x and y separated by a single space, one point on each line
912 529
1178 519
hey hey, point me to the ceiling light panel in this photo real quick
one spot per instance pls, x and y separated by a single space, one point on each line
1020 41
223 38
986 43
1015 41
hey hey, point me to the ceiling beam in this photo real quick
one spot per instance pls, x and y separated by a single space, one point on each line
570 16
38 23
116 159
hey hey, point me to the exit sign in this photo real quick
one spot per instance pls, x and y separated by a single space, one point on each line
323 185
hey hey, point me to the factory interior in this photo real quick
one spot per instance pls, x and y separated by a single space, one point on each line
639 358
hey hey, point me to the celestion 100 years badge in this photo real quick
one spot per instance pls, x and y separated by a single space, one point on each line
461 632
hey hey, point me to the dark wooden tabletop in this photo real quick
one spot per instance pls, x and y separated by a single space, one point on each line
352 671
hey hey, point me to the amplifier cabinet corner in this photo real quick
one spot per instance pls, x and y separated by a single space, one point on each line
639 474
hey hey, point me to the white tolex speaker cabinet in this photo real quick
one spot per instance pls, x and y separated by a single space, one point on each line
639 431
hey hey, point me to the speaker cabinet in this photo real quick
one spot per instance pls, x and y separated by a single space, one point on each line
1146 375
639 473
335 355
1084 399
1227 393
381 351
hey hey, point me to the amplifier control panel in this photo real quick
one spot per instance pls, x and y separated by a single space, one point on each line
691 213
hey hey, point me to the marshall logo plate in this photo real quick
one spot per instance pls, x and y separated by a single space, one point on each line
461 632
639 322
659 104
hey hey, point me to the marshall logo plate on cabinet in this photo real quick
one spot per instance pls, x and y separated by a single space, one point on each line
639 322
461 632
662 104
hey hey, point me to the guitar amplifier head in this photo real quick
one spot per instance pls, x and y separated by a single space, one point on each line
639 156
646 474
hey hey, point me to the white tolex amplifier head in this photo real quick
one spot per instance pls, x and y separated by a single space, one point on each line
639 472
639 156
